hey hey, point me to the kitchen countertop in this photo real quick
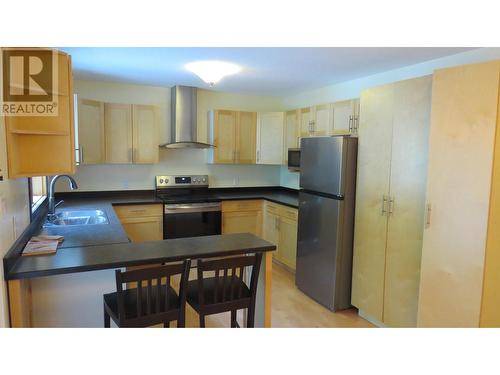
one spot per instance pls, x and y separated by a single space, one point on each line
96 247
91 258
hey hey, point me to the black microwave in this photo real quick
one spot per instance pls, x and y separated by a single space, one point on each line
294 159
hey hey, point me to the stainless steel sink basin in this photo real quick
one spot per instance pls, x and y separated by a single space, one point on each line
77 217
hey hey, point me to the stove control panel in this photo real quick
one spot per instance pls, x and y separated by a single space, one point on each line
181 181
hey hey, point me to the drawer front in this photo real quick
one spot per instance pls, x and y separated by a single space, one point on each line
290 213
138 210
272 208
246 205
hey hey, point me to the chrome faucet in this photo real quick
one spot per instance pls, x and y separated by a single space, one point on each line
52 206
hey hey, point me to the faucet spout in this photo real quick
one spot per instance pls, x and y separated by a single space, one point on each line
72 184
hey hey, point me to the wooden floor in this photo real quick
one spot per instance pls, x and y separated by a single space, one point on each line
290 308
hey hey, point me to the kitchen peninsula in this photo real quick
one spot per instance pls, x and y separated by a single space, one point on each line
83 267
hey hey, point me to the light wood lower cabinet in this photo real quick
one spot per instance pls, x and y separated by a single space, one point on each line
280 228
242 217
141 222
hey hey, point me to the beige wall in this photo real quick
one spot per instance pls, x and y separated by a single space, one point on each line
184 161
14 217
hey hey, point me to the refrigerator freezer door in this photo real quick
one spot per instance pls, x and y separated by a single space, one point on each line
319 222
321 164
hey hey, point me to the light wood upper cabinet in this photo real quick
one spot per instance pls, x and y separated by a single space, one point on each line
118 133
270 128
246 136
234 136
145 134
91 131
224 136
393 130
459 280
44 145
322 120
345 117
306 122
292 133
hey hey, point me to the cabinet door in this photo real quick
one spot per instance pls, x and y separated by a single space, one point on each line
271 231
246 138
118 133
270 138
463 124
306 119
292 133
343 117
91 131
412 106
288 241
374 156
242 222
224 136
138 229
145 134
323 119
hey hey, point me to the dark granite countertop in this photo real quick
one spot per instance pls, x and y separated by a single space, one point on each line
91 258
96 247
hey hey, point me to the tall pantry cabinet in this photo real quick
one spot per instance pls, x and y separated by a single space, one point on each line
390 200
460 278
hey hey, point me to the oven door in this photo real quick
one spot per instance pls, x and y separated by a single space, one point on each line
191 220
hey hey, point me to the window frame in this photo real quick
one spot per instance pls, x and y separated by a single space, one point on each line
35 206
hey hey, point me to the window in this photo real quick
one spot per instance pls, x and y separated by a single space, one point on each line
38 191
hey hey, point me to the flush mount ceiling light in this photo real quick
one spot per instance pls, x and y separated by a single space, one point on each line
212 71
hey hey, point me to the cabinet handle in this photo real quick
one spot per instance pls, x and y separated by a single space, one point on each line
350 124
391 205
298 142
428 215
384 201
356 123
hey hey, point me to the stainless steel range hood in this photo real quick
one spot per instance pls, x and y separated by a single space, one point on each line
184 119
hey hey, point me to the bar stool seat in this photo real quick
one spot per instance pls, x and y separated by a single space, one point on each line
154 301
227 291
130 302
211 290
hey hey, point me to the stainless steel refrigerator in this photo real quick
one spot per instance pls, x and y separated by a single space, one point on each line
326 219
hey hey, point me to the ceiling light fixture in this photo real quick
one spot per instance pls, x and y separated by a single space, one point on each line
212 71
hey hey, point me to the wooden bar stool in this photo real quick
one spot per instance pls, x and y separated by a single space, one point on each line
225 291
151 304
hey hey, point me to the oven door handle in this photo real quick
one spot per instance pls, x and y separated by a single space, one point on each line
180 209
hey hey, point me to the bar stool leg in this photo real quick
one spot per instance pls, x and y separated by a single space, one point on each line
251 317
202 321
166 324
234 323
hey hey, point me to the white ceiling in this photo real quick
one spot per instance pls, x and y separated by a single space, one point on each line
266 71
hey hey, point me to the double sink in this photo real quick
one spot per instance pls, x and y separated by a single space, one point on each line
77 217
